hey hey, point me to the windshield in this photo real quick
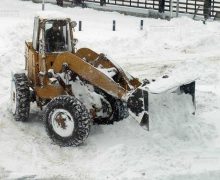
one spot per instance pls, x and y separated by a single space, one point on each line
57 36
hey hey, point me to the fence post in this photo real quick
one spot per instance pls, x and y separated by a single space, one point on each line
141 25
102 2
207 9
43 5
114 25
171 8
80 25
177 8
161 6
186 6
213 8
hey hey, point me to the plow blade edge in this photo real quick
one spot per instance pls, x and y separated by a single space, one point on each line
138 102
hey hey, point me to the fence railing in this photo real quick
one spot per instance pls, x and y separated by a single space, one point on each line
182 6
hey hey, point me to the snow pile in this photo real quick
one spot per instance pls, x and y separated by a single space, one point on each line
179 144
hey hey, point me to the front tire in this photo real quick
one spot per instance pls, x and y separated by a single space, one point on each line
118 109
20 97
67 121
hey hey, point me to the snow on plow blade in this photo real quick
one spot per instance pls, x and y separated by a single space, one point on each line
138 102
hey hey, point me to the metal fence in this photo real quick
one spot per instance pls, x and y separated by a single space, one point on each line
182 6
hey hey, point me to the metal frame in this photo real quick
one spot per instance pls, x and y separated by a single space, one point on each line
189 6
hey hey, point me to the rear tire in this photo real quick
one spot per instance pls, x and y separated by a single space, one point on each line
67 121
20 97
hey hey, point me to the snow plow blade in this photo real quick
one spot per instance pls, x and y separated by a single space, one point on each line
138 102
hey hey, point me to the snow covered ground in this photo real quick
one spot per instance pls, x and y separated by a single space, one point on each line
186 147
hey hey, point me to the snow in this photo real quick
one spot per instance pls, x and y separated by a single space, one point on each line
51 15
178 145
110 72
84 92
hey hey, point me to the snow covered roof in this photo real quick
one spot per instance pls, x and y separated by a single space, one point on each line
51 15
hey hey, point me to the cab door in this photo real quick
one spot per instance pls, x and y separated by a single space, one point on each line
31 55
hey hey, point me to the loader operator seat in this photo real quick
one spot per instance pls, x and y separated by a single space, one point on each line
55 40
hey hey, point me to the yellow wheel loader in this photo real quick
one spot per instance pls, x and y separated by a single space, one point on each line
77 88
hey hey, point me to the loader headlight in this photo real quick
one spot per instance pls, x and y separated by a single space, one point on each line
75 41
73 24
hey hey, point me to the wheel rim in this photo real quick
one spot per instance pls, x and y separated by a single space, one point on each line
62 122
13 97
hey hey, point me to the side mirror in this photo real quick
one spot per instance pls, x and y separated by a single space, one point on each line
73 24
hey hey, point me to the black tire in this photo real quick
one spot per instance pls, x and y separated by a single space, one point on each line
119 109
20 97
75 112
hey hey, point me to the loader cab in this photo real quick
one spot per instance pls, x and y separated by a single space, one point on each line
53 36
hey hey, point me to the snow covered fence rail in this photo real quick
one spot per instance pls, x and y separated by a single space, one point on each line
58 2
198 7
206 8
